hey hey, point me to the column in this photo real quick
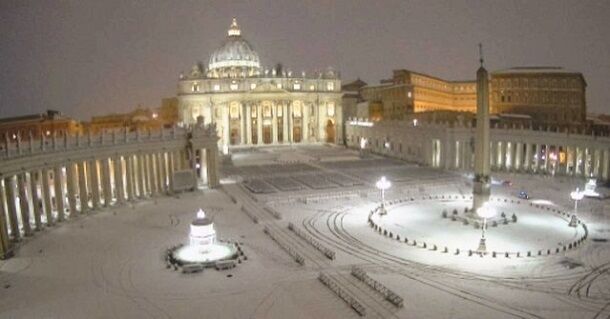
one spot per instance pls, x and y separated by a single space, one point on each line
36 202
274 123
164 171
493 154
170 171
586 162
82 188
71 188
242 127
5 241
225 126
259 125
159 166
527 163
597 154
9 190
510 155
107 186
118 179
248 117
290 124
501 155
203 166
547 159
129 177
23 205
94 184
305 123
136 176
211 167
605 164
151 174
142 175
46 196
518 156
59 194
285 123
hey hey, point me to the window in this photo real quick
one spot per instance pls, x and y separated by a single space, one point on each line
266 109
296 109
331 109
297 86
195 87
409 94
279 85
234 86
216 87
330 86
312 87
234 110
252 86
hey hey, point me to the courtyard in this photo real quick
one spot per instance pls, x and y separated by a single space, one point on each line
289 204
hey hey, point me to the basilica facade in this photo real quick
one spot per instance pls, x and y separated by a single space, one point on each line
254 106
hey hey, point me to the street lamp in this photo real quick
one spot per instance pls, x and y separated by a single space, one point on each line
363 142
576 196
485 211
553 158
382 185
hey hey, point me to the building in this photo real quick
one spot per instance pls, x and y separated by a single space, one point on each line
253 106
139 119
547 95
35 125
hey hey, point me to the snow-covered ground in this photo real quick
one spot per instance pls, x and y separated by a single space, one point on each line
109 264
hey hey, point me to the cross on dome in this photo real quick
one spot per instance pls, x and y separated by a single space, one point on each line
234 28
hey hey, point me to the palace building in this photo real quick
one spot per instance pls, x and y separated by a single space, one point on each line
253 106
549 95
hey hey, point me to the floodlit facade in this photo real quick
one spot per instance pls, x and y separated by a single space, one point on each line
545 94
254 106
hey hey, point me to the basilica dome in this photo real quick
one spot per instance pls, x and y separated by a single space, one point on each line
235 58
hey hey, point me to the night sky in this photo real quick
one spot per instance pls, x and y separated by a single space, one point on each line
88 58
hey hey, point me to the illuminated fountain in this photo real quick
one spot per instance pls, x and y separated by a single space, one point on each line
203 248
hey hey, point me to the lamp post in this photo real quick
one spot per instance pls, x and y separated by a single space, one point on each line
363 142
576 196
382 185
553 158
485 211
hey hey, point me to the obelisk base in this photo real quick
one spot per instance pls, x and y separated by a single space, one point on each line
482 247
480 194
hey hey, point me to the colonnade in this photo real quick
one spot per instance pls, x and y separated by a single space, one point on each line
451 146
563 159
42 187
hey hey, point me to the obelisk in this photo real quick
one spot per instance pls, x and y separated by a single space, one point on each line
481 142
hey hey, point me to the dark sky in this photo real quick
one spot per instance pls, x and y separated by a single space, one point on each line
90 57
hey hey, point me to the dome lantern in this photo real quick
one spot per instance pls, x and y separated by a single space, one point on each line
234 28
